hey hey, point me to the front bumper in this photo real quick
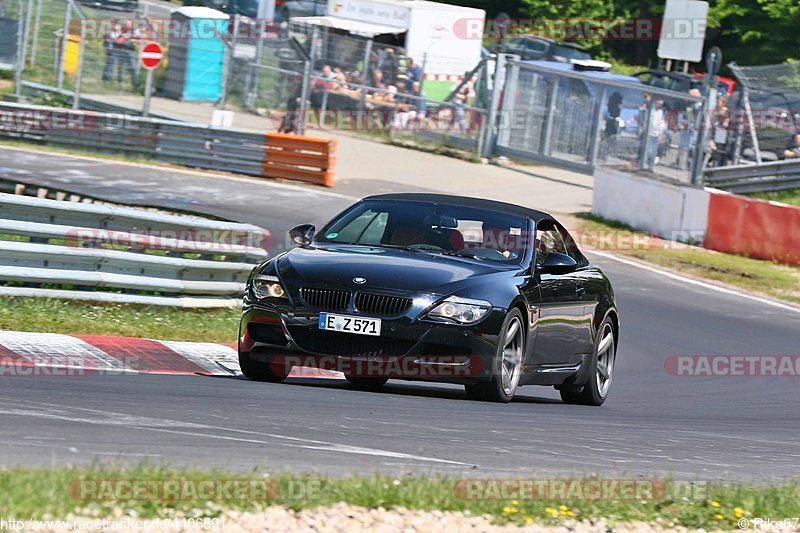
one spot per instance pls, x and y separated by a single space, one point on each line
408 348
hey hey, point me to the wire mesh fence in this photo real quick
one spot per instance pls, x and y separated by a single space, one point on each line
309 77
580 119
767 112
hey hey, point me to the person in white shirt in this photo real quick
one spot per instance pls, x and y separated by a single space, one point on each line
656 127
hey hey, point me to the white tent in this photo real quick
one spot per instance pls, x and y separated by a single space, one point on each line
367 29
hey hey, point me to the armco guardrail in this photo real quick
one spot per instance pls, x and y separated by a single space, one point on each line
772 176
188 144
63 249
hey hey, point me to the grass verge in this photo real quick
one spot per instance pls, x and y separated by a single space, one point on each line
127 320
791 196
765 277
56 493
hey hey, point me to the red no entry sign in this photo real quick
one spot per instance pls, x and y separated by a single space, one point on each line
152 54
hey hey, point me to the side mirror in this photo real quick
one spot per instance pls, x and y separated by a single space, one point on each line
303 234
558 263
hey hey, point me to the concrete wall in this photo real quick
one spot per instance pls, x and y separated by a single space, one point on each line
671 211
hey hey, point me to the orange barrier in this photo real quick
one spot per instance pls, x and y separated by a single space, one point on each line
297 157
755 228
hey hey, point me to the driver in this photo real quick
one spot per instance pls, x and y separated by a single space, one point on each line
498 238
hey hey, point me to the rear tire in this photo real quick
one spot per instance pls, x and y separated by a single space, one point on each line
507 363
601 370
261 371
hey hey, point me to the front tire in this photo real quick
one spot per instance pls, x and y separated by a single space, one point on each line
601 370
507 363
261 371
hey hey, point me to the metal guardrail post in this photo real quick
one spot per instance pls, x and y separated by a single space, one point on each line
644 130
35 42
547 131
500 75
228 67
751 124
304 103
362 102
508 104
22 30
597 128
255 68
62 52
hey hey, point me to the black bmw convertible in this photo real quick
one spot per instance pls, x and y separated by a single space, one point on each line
432 287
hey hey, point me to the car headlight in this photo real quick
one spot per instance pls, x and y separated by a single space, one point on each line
461 310
268 287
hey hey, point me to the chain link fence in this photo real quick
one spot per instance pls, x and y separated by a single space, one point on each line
581 119
768 111
305 78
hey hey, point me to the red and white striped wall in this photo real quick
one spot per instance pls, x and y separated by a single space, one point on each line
31 354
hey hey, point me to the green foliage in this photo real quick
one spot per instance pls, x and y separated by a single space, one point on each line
750 32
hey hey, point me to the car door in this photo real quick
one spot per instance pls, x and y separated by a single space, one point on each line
536 49
563 323
516 47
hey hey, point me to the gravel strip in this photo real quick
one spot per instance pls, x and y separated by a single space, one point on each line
347 518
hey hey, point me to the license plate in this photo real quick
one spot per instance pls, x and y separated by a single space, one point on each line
350 324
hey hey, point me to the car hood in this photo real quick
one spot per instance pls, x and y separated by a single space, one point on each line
399 270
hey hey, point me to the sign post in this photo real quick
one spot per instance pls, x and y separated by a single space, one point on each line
151 57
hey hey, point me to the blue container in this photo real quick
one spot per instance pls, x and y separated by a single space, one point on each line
196 55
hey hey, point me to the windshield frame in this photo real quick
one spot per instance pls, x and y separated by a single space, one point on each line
524 261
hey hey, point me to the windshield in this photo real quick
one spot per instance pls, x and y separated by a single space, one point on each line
570 53
431 228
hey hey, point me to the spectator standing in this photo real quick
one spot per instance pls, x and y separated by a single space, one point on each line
112 53
292 116
612 122
793 149
125 44
459 112
390 66
719 139
413 72
694 120
656 127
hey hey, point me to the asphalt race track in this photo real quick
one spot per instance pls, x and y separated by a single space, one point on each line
653 423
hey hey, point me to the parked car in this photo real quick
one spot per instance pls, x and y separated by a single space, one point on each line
300 8
121 5
432 287
247 8
682 82
724 85
533 47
